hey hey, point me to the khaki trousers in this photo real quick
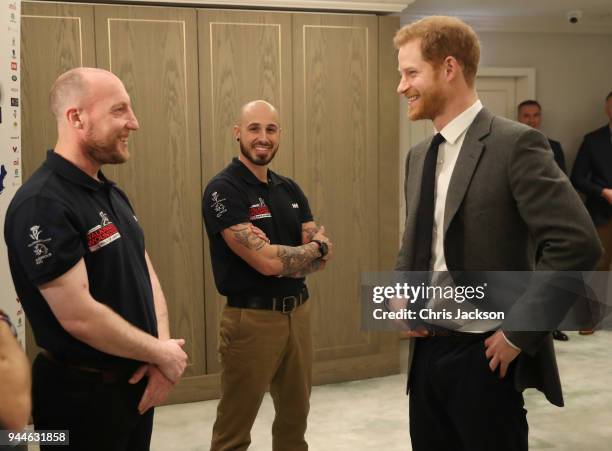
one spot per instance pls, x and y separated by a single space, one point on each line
261 348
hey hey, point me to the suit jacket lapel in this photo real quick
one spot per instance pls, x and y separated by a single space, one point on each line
466 164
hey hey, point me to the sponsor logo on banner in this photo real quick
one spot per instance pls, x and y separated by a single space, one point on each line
14 101
13 6
102 234
38 245
13 18
16 173
259 211
14 77
14 54
14 65
15 148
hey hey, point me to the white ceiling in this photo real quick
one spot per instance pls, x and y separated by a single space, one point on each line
521 15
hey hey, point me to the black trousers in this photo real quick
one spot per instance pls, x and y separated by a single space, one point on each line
99 415
458 404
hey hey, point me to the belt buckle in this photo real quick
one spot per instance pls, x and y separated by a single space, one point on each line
293 300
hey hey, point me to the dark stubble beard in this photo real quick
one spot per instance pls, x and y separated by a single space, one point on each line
258 162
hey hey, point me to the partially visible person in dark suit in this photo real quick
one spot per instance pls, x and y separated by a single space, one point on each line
592 176
530 113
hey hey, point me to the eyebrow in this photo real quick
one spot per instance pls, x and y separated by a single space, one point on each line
119 104
273 124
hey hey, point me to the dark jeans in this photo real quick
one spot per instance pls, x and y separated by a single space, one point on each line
99 415
458 404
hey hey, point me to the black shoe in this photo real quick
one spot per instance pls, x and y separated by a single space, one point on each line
558 335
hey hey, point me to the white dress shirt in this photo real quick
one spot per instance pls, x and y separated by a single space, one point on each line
454 134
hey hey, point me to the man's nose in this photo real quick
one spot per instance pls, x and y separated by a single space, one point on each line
132 123
402 86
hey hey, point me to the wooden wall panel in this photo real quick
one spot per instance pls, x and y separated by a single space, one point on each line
243 56
54 38
336 163
153 51
388 143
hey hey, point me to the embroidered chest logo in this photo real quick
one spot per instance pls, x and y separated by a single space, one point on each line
217 204
259 211
41 251
295 205
104 233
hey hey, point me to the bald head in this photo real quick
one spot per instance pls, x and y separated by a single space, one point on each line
72 88
258 132
256 109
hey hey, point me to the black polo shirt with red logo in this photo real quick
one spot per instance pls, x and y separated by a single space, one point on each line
59 216
279 208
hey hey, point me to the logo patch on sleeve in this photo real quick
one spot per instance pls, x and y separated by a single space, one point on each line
104 233
217 204
41 251
259 211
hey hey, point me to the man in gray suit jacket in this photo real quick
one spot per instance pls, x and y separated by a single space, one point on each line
480 196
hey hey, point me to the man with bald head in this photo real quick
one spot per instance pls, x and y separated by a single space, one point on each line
263 241
86 283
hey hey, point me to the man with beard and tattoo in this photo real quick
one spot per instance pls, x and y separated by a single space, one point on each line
263 241
478 194
85 281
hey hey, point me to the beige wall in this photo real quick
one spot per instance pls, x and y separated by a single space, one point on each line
573 76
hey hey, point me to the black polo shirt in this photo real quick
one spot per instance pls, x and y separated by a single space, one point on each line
59 216
279 208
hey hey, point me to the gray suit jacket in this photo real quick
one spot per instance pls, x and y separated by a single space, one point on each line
506 194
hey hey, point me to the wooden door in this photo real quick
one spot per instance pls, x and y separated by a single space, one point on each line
335 89
153 51
244 56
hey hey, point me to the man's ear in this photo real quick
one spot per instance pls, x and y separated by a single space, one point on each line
74 118
237 132
451 68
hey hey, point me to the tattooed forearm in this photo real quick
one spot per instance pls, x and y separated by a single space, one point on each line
245 236
294 259
313 266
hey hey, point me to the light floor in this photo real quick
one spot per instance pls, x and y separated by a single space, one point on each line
373 414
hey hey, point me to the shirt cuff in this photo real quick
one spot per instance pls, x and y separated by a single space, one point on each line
509 342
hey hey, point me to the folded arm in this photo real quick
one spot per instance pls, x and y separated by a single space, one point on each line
273 259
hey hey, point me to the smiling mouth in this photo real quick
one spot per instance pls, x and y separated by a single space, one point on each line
412 99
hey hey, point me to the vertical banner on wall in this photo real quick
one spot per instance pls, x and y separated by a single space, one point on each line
10 145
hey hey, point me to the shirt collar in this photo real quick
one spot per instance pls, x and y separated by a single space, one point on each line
245 173
455 128
73 174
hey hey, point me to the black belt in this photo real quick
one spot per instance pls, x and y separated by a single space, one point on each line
107 375
437 331
284 304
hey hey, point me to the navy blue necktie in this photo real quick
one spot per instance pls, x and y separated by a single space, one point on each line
425 211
